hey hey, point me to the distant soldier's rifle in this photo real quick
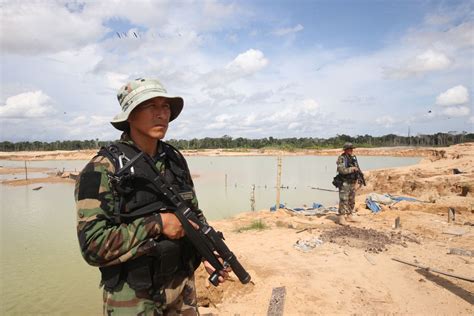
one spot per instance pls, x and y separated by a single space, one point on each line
360 175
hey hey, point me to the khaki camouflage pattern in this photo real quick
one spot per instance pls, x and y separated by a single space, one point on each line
104 243
347 190
347 198
178 298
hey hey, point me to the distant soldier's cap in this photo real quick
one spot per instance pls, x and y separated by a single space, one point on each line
348 146
138 91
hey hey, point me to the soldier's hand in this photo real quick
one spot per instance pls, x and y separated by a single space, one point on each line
171 226
354 169
223 274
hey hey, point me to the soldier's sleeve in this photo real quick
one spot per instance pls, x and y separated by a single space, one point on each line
103 242
341 166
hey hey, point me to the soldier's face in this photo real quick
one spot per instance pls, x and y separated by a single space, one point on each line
151 118
349 151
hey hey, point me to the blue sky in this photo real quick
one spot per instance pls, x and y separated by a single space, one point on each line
244 68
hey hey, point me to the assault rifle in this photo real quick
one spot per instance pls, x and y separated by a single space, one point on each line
360 175
208 242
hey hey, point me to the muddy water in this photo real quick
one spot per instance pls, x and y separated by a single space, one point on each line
42 271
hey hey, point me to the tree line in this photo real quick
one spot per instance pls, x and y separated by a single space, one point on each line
227 142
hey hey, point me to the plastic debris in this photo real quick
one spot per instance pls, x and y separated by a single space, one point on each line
306 245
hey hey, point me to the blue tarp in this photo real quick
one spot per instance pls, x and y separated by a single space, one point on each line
373 206
273 208
403 198
317 209
374 200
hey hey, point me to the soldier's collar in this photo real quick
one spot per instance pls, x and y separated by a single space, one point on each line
160 152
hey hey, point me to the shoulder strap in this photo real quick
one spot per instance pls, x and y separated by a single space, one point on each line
178 164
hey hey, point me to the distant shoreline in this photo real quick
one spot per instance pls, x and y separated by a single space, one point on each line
379 151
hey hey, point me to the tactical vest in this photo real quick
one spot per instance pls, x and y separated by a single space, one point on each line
349 161
135 196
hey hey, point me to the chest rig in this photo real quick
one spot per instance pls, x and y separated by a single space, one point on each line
350 161
132 186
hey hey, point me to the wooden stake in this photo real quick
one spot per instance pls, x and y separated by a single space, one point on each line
26 171
252 198
451 215
397 223
278 184
277 302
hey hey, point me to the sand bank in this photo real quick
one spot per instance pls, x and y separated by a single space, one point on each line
353 271
88 154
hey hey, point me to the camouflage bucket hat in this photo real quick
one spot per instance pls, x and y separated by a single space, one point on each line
348 146
138 91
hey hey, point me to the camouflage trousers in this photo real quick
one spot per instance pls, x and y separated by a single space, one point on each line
178 298
347 198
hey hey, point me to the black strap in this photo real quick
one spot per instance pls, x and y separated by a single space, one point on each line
112 153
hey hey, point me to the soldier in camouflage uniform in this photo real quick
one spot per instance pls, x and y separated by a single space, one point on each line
347 168
124 226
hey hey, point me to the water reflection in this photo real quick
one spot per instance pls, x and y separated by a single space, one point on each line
299 174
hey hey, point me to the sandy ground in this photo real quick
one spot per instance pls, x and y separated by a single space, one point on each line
352 271
88 154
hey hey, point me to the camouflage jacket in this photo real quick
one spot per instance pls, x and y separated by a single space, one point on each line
103 242
345 164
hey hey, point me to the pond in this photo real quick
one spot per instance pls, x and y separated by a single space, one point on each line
42 271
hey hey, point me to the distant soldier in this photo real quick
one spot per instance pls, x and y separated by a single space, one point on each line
124 223
348 174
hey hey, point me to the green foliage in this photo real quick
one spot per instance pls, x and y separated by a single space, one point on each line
255 225
244 144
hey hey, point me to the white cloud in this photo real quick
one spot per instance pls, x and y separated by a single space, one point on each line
27 105
248 62
289 30
45 26
115 80
455 96
220 121
456 111
294 125
430 60
427 61
471 119
188 46
386 121
301 111
87 127
310 106
245 64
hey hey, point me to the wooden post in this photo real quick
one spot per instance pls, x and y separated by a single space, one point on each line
277 302
397 223
252 198
451 215
26 171
278 183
